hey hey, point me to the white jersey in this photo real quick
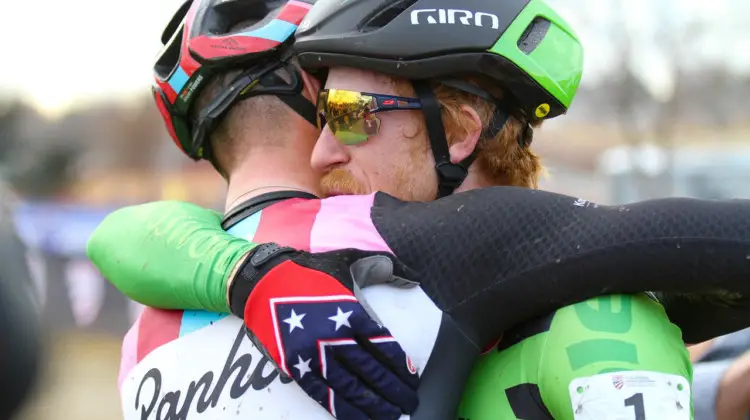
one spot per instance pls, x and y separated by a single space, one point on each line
200 365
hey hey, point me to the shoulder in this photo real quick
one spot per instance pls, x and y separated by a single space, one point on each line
616 314
347 201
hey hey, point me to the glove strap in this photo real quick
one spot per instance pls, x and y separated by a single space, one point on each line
259 261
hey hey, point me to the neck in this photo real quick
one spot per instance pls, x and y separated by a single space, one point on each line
474 180
274 169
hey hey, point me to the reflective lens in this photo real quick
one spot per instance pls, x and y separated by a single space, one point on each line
350 115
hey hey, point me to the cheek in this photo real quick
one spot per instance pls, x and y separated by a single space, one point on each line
423 167
402 125
412 124
399 137
395 156
373 159
420 177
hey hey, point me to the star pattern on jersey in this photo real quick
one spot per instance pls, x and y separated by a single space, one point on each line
312 332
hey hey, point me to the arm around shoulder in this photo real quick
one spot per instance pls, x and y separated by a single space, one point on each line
168 254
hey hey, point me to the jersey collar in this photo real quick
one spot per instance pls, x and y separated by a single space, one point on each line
258 203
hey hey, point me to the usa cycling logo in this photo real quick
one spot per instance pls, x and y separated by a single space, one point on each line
618 381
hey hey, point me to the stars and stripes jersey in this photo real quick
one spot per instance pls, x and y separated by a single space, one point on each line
200 365
614 357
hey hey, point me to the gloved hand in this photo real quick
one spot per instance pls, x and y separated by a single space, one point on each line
302 310
175 255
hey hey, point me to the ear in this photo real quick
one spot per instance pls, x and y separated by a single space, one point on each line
466 142
311 86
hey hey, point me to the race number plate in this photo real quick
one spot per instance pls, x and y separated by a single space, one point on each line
631 395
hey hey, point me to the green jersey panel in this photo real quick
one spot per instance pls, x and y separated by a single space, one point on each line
609 356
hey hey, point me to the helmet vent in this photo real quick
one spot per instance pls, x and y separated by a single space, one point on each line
176 21
533 35
169 57
384 16
234 15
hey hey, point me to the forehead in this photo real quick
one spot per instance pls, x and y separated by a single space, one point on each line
360 81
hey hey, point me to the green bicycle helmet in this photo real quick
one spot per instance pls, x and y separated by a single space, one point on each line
523 45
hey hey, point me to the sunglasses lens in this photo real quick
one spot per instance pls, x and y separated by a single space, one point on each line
348 115
321 105
350 138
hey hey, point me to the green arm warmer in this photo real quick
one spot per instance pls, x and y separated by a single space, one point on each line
168 254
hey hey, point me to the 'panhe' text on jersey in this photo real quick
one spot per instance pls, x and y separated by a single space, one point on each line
200 365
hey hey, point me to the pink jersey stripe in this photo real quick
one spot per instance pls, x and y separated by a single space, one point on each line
157 328
345 222
288 223
129 351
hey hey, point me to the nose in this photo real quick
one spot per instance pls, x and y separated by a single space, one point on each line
328 152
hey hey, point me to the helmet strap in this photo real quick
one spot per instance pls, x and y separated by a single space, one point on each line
291 95
499 117
294 100
450 175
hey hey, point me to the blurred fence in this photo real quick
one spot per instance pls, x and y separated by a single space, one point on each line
71 293
85 317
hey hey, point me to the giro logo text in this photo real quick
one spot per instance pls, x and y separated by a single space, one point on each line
453 16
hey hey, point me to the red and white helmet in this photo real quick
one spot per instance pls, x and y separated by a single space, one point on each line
202 41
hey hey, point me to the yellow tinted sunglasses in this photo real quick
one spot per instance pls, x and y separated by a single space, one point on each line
350 115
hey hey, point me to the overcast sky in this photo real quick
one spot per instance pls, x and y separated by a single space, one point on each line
79 50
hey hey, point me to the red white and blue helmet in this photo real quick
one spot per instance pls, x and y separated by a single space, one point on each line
202 40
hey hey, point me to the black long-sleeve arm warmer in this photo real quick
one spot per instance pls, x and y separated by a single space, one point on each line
495 257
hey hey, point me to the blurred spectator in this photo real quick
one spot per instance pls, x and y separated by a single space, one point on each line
721 378
19 325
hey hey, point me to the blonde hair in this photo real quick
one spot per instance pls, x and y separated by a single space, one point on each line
229 141
501 159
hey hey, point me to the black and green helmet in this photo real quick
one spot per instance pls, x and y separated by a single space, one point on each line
523 45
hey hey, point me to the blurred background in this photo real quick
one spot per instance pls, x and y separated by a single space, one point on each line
663 110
